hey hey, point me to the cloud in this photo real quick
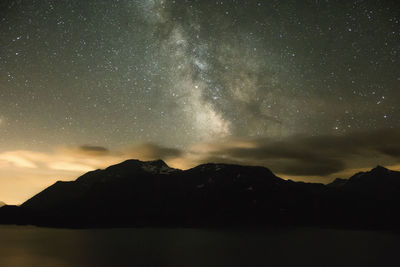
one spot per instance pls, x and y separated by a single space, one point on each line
296 155
83 151
308 155
63 158
150 151
69 166
18 159
98 150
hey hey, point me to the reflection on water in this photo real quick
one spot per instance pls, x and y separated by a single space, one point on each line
22 246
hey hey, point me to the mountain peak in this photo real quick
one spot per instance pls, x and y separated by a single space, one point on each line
379 169
154 166
158 162
136 162
157 167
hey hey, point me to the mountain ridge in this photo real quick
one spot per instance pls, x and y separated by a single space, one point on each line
137 193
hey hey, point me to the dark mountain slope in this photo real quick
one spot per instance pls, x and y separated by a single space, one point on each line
151 192
136 193
378 181
372 196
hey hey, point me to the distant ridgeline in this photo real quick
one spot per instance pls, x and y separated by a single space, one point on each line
136 193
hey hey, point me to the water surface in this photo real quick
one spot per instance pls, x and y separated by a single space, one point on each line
22 246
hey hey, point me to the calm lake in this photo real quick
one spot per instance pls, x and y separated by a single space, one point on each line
32 246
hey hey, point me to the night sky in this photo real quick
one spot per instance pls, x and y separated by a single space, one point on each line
309 89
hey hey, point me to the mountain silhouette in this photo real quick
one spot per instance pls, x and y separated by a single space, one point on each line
137 193
377 180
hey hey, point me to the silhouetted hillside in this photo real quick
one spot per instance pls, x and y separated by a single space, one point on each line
136 193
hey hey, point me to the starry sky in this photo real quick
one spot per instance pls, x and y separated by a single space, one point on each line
310 89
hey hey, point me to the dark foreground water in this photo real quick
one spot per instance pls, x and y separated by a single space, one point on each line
22 246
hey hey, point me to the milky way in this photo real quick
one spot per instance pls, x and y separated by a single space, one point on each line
185 74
